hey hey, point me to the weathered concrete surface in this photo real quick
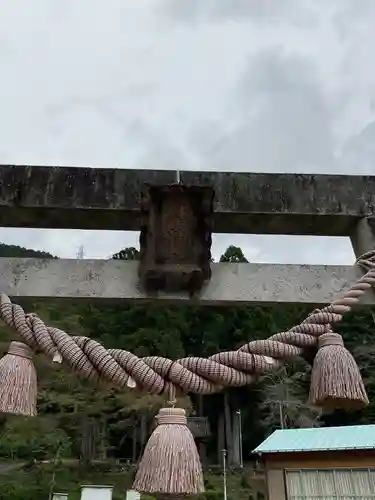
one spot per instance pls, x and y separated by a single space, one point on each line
84 198
231 284
363 240
363 236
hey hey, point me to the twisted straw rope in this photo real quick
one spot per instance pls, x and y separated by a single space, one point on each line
155 374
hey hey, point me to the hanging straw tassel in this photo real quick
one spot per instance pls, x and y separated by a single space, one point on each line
336 381
170 464
18 381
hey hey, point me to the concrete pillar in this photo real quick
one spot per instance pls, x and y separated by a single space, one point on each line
363 236
363 240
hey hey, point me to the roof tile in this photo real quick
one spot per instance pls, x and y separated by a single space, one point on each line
353 437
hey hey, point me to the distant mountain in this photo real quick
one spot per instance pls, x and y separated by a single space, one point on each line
16 251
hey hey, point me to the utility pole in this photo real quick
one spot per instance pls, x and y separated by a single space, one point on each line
238 412
224 452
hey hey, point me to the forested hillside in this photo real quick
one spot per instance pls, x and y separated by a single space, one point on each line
97 425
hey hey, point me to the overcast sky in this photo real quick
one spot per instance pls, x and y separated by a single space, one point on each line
238 85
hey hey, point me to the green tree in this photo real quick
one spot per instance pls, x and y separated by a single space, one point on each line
32 438
233 254
285 398
129 253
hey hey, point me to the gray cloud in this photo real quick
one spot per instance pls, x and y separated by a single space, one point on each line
279 121
290 11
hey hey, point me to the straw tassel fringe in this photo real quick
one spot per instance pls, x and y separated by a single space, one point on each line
18 381
170 465
336 381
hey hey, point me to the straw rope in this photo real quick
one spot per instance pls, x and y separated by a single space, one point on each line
155 374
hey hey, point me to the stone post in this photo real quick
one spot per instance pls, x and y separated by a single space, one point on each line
363 240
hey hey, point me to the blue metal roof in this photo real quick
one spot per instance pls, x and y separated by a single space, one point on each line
351 437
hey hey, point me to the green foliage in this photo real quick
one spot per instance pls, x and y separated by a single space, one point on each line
129 253
283 398
32 438
34 483
233 254
16 251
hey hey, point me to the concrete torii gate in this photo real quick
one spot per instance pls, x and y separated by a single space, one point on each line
93 198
